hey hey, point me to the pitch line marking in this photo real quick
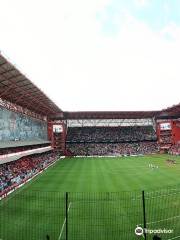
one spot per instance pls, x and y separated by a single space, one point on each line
174 238
166 219
60 235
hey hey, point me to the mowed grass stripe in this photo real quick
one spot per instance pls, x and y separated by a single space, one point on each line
38 208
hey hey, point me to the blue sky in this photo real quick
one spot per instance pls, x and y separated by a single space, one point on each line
96 54
155 13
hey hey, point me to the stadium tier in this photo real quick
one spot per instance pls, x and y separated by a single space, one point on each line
110 134
111 140
99 149
22 144
14 173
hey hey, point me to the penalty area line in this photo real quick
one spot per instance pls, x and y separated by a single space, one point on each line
60 235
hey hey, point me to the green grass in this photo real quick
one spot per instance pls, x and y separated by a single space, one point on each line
105 200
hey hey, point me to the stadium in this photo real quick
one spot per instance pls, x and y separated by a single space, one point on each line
85 175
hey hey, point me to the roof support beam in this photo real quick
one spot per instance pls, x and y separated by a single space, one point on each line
7 71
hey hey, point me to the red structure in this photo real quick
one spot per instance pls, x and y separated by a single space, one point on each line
164 133
168 127
176 131
57 135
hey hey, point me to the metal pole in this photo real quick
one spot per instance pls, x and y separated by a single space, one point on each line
144 214
66 215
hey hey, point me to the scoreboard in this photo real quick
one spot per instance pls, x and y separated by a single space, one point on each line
57 128
165 126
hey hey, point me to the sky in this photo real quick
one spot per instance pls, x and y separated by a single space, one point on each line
96 55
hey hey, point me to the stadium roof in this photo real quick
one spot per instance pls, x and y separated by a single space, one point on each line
173 111
110 115
18 89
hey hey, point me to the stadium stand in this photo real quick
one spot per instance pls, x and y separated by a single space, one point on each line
85 149
112 140
110 134
25 149
14 173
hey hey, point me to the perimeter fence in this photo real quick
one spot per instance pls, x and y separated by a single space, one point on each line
91 216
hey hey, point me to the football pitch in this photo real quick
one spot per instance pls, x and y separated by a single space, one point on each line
103 200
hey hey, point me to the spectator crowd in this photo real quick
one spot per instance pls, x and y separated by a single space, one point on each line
16 172
110 134
111 140
108 149
166 139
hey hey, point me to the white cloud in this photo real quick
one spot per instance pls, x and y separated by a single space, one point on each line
171 31
59 44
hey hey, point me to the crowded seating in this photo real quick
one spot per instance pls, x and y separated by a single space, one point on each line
165 139
112 149
16 172
129 140
110 134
